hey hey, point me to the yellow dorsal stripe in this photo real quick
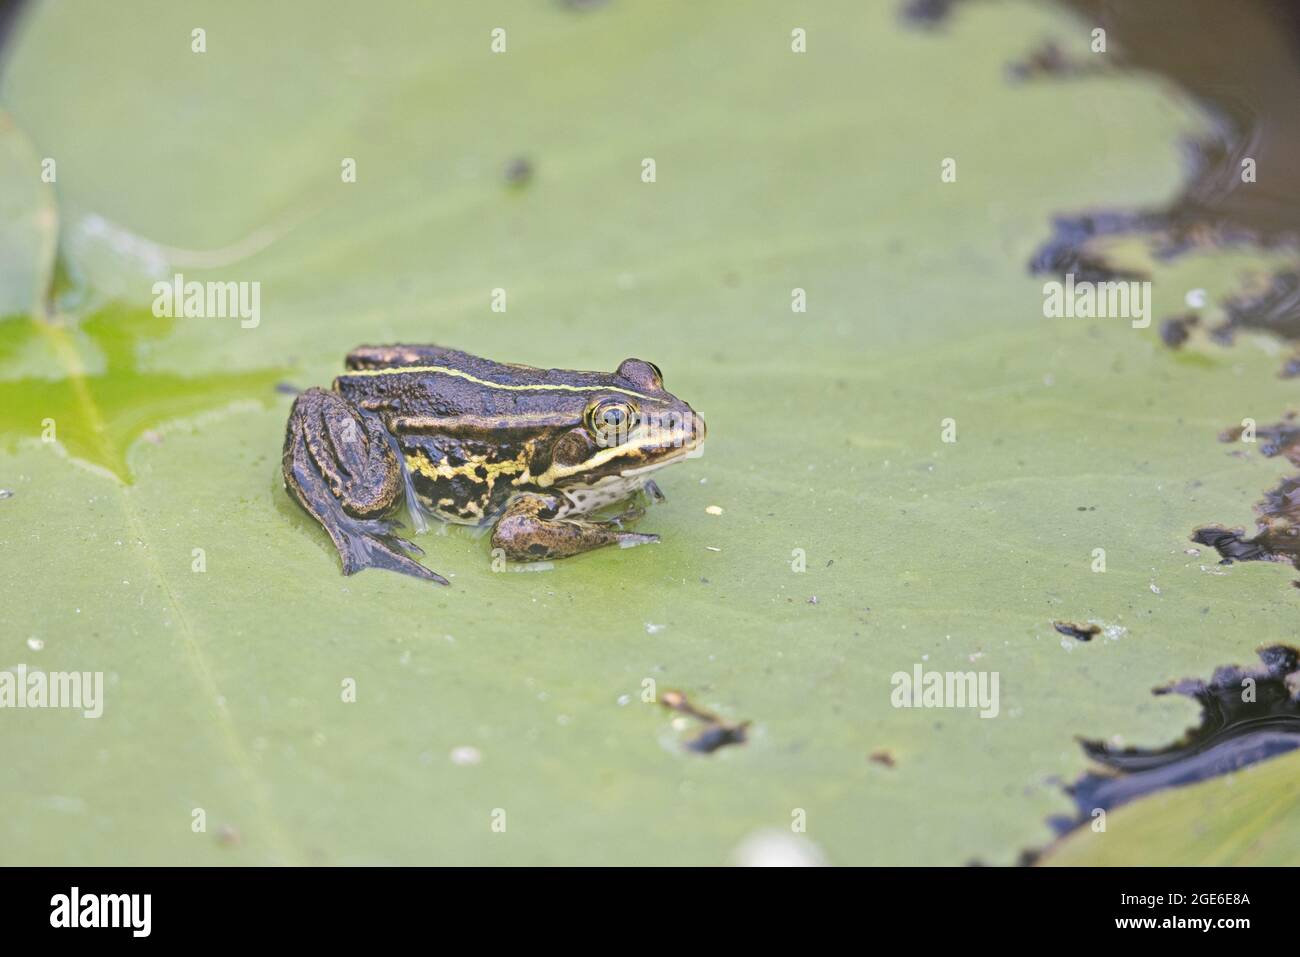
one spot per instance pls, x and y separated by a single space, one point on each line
444 370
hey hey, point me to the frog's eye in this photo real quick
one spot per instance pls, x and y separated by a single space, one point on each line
610 419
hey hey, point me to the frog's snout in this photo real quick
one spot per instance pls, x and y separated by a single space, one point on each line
699 430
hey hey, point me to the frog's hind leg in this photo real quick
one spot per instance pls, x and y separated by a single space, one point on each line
341 467
528 531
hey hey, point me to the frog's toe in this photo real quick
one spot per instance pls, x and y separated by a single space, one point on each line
386 530
633 539
360 552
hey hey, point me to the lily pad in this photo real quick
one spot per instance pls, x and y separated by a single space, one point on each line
1248 818
830 537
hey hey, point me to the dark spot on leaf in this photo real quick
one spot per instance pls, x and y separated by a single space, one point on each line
1049 59
717 736
883 757
926 13
1175 330
1081 632
716 733
519 171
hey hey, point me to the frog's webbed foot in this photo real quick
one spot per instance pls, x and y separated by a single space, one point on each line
528 531
341 467
381 528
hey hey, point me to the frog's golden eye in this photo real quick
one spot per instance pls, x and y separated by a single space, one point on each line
611 418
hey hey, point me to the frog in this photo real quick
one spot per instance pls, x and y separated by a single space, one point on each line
442 435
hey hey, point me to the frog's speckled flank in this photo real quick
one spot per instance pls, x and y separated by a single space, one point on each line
476 442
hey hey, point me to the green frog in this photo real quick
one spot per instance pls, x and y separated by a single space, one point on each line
450 436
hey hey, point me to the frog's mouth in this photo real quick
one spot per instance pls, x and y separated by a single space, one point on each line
694 452
684 441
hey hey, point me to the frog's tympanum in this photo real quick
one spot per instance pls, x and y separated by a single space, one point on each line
462 439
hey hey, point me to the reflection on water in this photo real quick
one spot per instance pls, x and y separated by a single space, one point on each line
1241 61
1247 715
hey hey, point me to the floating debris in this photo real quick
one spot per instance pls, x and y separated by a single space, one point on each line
883 757
1049 59
716 734
1082 632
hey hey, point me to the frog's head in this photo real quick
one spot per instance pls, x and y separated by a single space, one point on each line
629 428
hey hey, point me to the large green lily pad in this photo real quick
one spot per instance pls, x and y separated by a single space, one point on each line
1247 818
775 171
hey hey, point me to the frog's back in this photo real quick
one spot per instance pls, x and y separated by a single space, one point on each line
435 359
443 384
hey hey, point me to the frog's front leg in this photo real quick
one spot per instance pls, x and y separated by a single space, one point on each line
528 531
341 467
